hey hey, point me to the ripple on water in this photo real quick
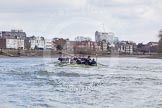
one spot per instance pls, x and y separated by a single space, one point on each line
29 83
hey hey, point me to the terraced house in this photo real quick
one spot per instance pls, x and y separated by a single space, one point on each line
14 39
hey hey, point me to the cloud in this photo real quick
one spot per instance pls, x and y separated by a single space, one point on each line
128 19
40 6
146 9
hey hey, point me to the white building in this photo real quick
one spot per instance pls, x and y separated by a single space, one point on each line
126 47
103 36
37 42
11 43
14 43
14 39
48 43
20 43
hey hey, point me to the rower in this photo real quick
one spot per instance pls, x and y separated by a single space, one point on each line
78 61
69 61
93 62
60 59
75 58
88 60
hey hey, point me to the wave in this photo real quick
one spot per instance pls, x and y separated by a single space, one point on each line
64 74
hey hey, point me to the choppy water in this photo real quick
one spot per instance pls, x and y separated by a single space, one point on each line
123 83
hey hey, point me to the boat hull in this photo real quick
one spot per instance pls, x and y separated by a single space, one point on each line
78 65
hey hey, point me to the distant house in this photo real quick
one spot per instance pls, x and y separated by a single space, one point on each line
104 45
34 42
13 39
82 38
48 43
59 43
27 43
2 43
17 34
151 44
149 48
126 47
85 46
54 46
69 45
97 47
10 43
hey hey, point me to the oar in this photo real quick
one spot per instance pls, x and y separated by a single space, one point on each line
53 62
102 64
96 57
47 63
99 63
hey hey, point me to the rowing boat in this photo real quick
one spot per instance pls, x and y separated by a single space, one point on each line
77 65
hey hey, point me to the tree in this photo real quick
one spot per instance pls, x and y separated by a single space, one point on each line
160 46
160 42
36 47
59 47
160 34
140 45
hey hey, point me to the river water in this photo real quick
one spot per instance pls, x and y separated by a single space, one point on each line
122 83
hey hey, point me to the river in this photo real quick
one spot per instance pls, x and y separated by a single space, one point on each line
122 83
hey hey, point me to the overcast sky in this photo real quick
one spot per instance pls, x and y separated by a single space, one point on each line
134 20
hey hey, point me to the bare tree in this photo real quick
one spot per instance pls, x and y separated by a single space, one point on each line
160 42
160 34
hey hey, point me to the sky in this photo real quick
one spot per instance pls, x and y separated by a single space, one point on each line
132 20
